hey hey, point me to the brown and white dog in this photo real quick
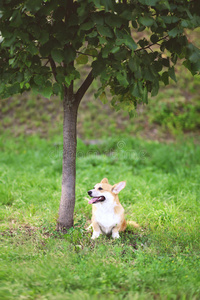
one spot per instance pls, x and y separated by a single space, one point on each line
107 212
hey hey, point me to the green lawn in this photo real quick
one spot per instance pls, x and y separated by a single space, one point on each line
158 261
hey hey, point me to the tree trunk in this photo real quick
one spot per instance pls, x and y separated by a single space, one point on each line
70 106
67 203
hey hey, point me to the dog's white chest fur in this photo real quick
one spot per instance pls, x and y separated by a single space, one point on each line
106 216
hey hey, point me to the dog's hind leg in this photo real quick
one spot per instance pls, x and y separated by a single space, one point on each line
117 228
115 232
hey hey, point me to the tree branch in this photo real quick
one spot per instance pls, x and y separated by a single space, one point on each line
149 46
46 63
86 54
84 87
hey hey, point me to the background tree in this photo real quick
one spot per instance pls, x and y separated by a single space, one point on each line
42 44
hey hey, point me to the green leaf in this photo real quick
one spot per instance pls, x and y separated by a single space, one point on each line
126 14
166 4
107 50
148 73
115 49
9 41
98 18
44 37
114 20
69 55
154 38
82 59
57 55
124 38
32 49
60 78
87 26
47 90
68 80
103 98
145 95
27 85
134 24
121 77
98 67
102 40
14 88
193 68
185 23
129 42
149 2
22 84
157 65
171 73
141 28
91 51
155 88
39 80
33 6
92 34
175 31
194 53
2 87
46 49
99 92
74 74
16 19
28 63
105 31
121 56
105 76
174 58
11 61
146 21
165 78
134 65
135 90
28 75
165 62
169 19
108 5
57 88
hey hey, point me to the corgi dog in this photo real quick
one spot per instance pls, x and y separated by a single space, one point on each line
107 212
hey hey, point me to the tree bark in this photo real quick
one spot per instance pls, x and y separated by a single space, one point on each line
70 107
67 203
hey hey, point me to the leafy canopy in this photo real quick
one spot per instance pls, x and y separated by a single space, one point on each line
42 44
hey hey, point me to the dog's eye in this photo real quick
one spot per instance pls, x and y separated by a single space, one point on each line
100 188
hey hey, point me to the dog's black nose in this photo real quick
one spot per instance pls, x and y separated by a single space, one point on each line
90 193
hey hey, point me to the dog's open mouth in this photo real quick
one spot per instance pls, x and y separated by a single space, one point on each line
96 200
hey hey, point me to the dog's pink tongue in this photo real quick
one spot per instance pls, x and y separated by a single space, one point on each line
92 200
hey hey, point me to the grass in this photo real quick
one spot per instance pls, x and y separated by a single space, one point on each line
158 261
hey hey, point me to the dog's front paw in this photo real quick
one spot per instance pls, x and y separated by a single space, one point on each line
95 235
115 235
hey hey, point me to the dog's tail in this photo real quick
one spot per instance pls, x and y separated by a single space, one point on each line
133 224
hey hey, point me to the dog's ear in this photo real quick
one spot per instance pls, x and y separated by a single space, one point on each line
104 180
118 187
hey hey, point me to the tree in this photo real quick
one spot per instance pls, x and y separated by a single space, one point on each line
43 42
